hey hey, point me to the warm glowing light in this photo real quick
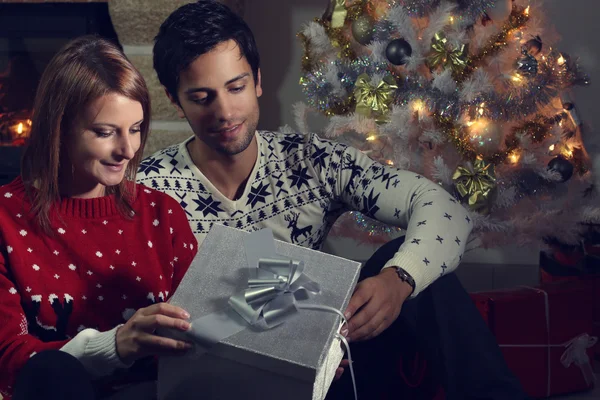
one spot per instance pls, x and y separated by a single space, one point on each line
567 152
517 78
552 147
418 105
561 60
371 138
478 131
481 109
451 19
390 162
514 157
527 10
19 130
476 127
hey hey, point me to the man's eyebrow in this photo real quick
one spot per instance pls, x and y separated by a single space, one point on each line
203 89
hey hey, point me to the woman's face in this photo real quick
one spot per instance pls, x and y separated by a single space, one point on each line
102 143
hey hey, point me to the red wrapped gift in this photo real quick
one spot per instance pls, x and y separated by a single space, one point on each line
554 269
544 333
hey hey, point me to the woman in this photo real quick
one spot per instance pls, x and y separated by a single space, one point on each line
82 247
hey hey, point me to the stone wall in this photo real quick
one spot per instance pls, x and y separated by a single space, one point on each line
136 23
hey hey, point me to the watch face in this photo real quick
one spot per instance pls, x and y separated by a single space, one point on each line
405 277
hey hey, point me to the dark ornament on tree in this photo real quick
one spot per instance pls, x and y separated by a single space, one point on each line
533 46
363 29
527 65
562 166
398 51
485 19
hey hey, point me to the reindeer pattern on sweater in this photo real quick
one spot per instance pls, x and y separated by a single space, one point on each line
301 184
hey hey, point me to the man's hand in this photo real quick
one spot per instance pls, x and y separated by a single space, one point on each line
378 301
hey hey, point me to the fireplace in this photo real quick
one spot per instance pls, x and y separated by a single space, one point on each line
30 34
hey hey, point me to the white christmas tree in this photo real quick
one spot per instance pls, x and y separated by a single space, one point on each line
470 93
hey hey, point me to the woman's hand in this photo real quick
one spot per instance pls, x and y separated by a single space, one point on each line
136 339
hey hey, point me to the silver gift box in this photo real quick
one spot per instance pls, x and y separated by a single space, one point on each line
295 360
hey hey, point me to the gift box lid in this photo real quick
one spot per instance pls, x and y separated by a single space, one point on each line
296 348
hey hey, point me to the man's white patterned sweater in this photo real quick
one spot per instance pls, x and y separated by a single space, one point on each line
301 184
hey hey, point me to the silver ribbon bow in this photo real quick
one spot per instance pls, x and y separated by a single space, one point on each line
275 283
274 286
576 351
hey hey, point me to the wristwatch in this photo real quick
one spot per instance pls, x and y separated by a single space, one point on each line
405 277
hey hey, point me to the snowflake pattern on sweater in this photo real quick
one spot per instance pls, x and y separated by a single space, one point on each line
301 184
94 271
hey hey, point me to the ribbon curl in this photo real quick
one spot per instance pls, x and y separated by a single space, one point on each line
374 101
475 183
443 54
273 288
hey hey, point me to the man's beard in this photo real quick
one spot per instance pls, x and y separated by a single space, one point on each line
238 147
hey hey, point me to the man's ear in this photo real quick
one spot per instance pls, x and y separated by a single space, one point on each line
258 84
180 112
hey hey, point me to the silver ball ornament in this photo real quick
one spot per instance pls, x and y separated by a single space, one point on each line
363 29
486 136
527 65
500 10
533 46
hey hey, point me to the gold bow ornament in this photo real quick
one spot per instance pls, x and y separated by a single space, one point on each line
374 101
338 17
442 53
476 184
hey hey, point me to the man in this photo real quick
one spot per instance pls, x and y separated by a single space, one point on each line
297 185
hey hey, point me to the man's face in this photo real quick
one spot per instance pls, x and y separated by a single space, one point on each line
219 98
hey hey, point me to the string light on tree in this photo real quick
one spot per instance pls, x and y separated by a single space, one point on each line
483 101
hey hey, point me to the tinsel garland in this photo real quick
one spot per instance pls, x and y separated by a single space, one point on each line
538 127
374 227
517 19
528 96
377 232
524 99
469 11
419 8
307 62
318 90
460 140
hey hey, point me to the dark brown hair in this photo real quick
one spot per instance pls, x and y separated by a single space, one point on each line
86 69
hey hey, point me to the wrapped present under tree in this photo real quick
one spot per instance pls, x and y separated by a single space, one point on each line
545 334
